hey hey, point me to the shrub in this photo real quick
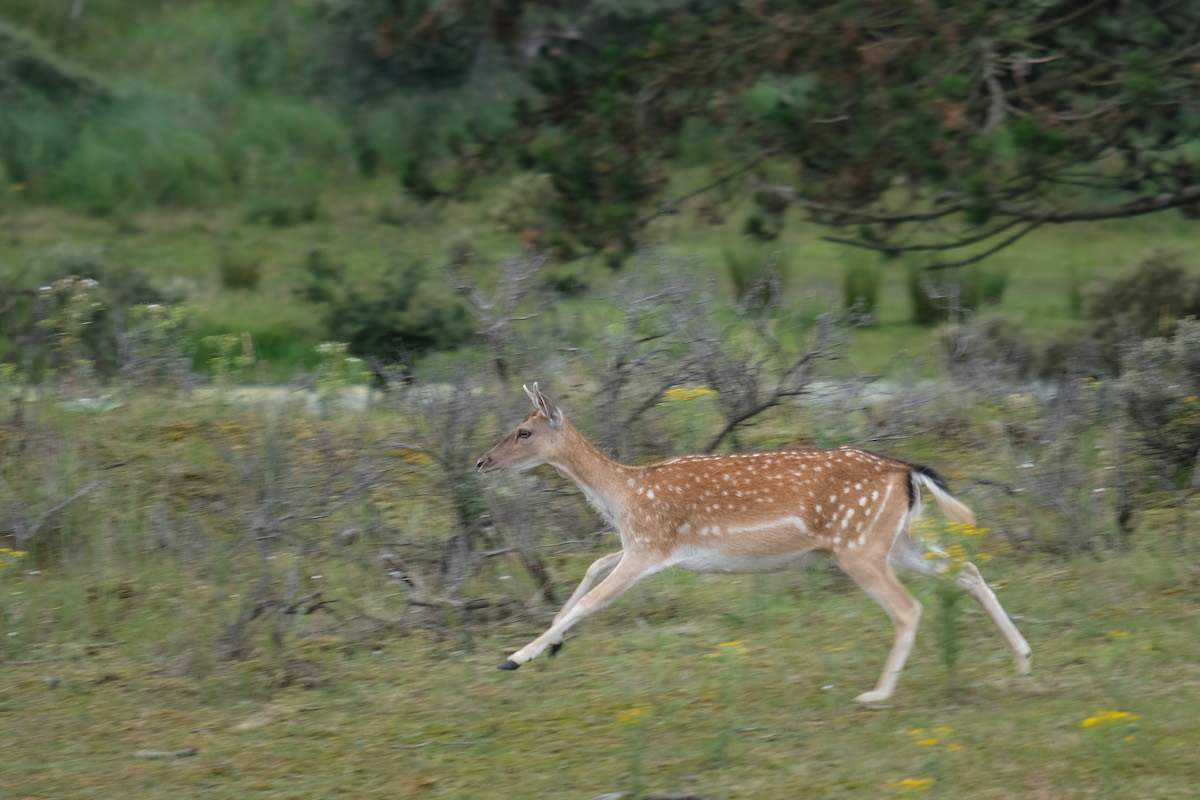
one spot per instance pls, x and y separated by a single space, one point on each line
1159 391
941 297
992 345
860 289
756 274
68 310
238 268
404 311
1146 301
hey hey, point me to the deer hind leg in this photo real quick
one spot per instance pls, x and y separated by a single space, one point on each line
628 572
969 580
599 568
876 578
907 553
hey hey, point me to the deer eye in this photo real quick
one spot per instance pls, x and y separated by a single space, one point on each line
524 434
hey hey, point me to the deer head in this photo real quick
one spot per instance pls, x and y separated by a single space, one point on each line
536 440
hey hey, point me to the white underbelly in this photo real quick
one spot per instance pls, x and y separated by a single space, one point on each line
701 559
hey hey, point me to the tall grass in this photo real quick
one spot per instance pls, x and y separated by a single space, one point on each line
211 102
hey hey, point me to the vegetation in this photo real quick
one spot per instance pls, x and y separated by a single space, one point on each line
943 130
271 274
258 577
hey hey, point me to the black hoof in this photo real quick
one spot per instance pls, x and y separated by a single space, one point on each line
554 648
509 665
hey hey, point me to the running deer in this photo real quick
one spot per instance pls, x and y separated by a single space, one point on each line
751 512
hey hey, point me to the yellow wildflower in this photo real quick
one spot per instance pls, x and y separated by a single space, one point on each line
685 393
631 716
920 784
1108 716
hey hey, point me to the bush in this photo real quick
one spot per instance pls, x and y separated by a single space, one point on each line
238 268
1147 301
68 310
756 274
860 289
1159 391
404 311
997 344
942 297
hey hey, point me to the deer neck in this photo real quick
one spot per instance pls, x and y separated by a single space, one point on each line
603 481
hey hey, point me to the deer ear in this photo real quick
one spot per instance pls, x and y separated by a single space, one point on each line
543 404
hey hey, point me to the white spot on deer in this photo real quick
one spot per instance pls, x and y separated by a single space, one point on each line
631 481
650 494
862 501
832 497
716 530
875 495
641 489
685 528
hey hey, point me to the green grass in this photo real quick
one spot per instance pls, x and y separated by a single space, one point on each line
419 716
728 687
185 245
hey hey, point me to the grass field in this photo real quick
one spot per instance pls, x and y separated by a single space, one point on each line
183 250
726 688
209 593
117 631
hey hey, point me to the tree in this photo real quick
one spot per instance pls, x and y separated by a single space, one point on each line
935 127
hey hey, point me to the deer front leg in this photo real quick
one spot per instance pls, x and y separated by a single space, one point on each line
626 574
598 568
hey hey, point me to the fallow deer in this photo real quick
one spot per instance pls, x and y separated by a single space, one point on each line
751 512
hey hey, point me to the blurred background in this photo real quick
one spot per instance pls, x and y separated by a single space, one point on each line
271 276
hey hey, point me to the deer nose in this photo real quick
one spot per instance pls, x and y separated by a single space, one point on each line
479 465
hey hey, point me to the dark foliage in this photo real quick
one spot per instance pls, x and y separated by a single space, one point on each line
403 311
1147 301
917 127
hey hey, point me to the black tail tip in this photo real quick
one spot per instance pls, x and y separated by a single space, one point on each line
554 648
509 665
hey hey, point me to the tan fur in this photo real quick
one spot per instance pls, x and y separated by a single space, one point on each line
751 512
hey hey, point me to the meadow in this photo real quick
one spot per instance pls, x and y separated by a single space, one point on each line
235 568
222 595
